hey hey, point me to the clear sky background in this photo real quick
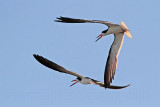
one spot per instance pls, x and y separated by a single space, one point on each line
27 27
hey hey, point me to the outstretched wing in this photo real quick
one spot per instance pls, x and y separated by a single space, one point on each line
101 84
54 66
59 68
112 59
72 20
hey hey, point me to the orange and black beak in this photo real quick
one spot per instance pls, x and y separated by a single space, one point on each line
99 37
73 83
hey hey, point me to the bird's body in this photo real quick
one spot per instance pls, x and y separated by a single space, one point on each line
118 31
114 30
85 81
80 78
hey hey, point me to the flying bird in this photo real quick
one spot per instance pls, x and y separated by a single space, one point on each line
118 31
81 79
112 28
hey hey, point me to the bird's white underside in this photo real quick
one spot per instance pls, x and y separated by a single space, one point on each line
85 81
116 46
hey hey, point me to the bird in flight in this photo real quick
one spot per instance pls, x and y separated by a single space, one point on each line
112 28
81 79
118 31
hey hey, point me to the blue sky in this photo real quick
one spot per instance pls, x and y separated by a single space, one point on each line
27 28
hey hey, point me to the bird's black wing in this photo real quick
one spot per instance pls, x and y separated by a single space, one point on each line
73 20
112 59
54 66
101 84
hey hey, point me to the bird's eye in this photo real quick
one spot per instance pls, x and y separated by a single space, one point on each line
104 31
79 78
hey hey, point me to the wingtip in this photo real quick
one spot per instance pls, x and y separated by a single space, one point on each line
118 87
35 55
58 19
128 85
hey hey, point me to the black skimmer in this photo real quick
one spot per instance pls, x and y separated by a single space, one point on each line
112 28
118 31
80 78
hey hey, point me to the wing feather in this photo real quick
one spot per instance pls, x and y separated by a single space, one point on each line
111 63
54 66
101 84
73 20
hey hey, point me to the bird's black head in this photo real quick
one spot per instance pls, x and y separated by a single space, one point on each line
105 31
102 34
79 78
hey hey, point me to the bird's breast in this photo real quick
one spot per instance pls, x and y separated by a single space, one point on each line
85 81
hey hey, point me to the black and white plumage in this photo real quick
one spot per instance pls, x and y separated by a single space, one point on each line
118 31
80 78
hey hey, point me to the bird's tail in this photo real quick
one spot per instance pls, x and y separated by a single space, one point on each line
128 34
124 27
117 87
